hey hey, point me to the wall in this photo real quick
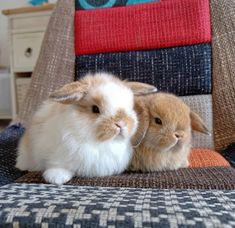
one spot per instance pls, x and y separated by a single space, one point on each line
7 4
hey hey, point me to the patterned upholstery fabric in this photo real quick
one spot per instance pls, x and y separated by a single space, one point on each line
8 144
96 4
140 27
180 70
31 205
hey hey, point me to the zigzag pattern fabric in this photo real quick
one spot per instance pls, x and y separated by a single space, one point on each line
40 205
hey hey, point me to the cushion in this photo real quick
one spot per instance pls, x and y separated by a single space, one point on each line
144 26
181 70
200 157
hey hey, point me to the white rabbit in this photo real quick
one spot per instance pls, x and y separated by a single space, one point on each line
83 129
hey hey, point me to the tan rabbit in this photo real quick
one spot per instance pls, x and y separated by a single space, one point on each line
163 138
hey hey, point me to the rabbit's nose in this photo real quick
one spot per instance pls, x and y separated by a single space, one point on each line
121 124
179 135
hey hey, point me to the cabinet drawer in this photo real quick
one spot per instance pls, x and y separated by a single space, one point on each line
26 48
33 22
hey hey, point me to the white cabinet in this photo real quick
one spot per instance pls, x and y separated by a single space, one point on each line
26 31
39 21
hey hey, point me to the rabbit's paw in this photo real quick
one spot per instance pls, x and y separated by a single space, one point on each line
185 164
57 176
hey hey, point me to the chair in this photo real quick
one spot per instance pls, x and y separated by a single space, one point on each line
201 195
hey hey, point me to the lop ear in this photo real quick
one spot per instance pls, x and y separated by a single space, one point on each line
197 123
70 92
143 118
140 88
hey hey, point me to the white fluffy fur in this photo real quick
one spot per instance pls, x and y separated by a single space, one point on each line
62 143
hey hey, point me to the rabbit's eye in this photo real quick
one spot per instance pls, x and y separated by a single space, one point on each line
95 109
158 121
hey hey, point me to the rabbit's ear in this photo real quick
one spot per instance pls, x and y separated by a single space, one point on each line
197 123
143 118
140 88
70 92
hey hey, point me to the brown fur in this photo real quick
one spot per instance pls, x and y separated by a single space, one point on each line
84 105
160 149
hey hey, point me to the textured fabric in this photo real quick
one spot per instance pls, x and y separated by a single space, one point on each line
229 154
140 27
200 157
223 26
68 206
202 105
189 178
9 139
55 65
180 70
96 4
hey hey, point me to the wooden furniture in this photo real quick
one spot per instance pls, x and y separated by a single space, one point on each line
26 28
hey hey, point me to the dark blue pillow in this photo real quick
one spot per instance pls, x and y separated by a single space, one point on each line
9 139
183 70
